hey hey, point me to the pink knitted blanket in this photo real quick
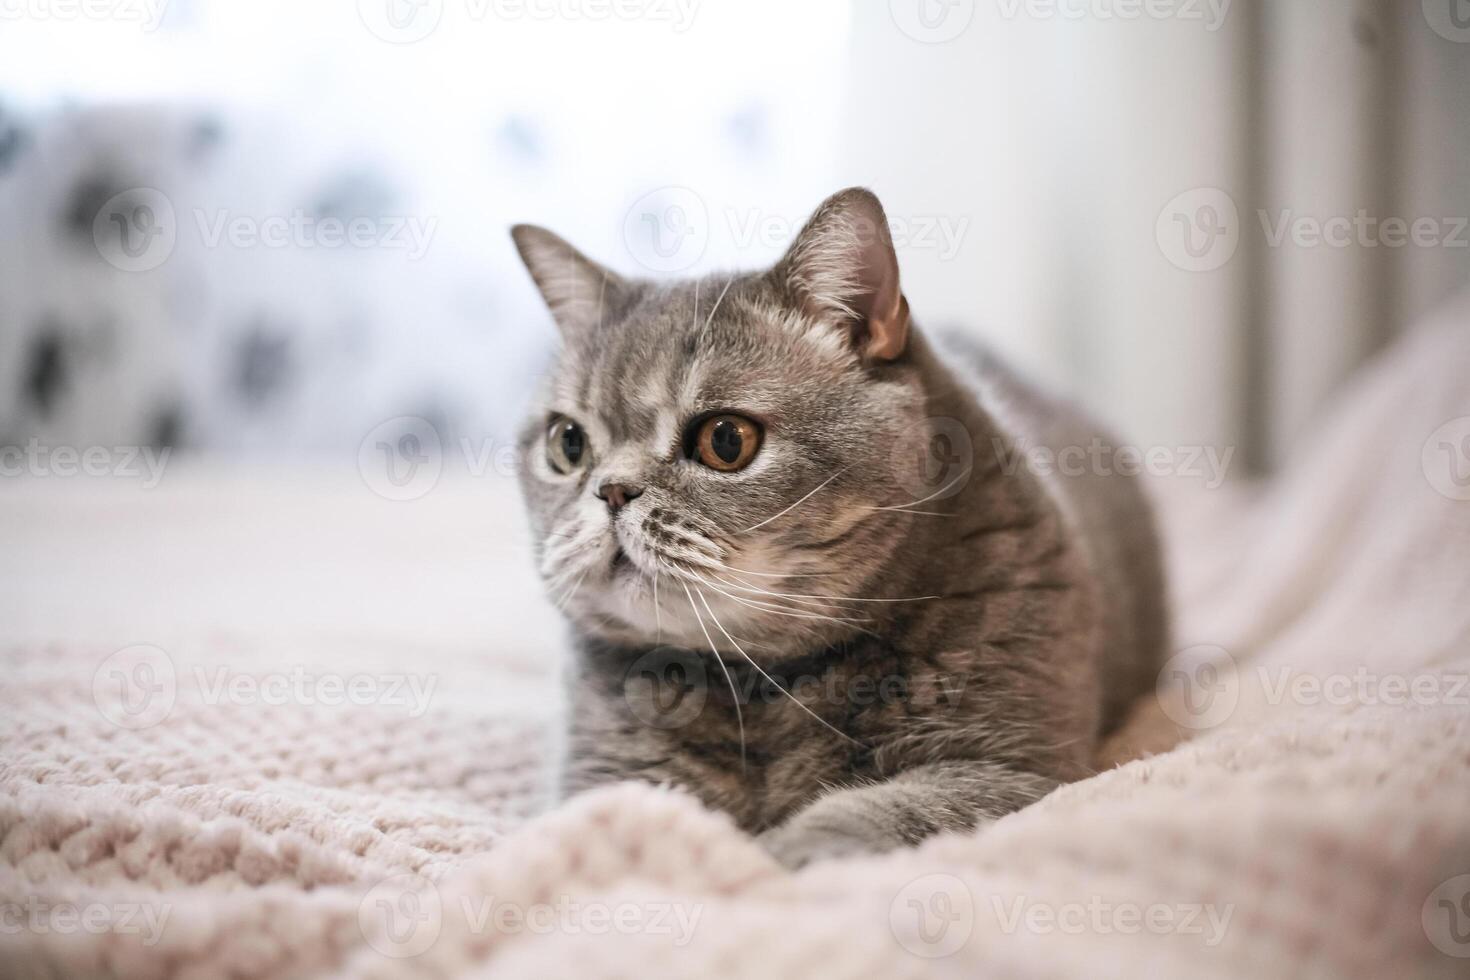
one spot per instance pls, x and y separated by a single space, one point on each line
256 731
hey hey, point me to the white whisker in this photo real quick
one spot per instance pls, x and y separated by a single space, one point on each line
779 611
694 555
832 598
573 591
769 679
658 615
601 290
803 500
794 599
686 559
561 578
739 718
716 307
937 493
746 571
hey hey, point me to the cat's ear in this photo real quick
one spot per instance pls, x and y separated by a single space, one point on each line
842 270
577 290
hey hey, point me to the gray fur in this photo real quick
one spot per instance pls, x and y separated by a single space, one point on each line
1026 612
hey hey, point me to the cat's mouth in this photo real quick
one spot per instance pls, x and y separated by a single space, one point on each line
620 562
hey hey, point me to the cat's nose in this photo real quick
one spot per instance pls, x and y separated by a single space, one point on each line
617 495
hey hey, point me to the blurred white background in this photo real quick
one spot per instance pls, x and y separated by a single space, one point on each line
266 227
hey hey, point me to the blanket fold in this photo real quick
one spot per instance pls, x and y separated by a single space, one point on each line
1295 801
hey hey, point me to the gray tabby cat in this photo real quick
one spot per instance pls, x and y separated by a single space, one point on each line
777 605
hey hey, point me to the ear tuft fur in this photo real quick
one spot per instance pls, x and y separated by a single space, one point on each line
843 271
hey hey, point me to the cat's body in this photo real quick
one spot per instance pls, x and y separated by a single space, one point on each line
885 625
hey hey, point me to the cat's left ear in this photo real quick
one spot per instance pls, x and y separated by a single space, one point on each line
577 290
842 271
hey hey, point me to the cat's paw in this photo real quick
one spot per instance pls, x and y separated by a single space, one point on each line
796 845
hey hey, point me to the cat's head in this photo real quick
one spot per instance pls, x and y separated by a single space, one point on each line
710 459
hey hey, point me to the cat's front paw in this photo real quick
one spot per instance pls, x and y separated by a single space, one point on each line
796 845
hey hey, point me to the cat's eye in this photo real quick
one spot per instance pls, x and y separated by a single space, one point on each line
727 442
566 445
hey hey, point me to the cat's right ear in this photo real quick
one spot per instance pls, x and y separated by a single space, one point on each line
842 271
577 290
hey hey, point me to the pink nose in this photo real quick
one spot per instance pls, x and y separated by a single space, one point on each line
617 495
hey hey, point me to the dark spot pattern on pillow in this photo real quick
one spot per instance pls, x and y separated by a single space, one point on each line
13 140
355 194
205 137
263 363
86 200
166 431
46 368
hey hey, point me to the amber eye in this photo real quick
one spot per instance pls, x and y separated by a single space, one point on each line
566 445
727 442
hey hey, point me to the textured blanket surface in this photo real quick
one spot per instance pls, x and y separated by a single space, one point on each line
253 726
